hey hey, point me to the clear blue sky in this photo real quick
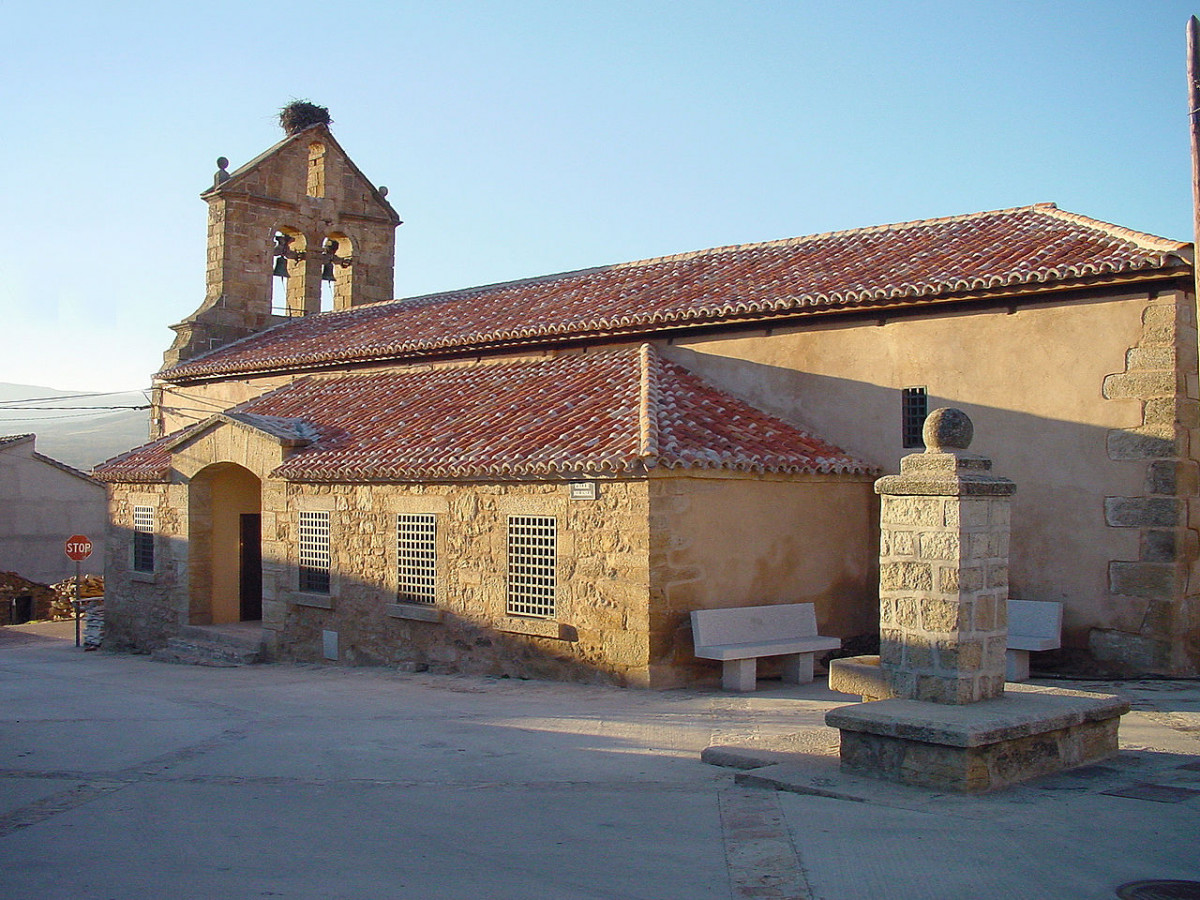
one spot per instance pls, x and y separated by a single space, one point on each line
522 138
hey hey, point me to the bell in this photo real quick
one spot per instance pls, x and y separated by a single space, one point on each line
280 267
327 272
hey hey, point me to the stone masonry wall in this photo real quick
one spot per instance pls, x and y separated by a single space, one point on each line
143 610
1158 629
599 632
942 596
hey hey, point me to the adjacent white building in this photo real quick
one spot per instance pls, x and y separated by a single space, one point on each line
42 503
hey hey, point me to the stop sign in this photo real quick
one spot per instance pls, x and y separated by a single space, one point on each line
79 547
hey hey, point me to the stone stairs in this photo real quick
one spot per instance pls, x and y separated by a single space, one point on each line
215 645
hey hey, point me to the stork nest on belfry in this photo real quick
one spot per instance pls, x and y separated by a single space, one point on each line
300 114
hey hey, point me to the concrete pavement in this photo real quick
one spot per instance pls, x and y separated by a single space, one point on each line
125 778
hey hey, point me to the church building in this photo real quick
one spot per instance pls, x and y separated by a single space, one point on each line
543 478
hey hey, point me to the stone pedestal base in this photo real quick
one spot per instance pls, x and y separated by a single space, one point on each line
861 675
974 747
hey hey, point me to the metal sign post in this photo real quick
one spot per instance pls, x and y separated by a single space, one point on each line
78 548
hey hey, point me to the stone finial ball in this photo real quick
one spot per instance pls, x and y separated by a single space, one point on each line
948 429
222 163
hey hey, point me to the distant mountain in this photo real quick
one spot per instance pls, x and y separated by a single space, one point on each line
79 437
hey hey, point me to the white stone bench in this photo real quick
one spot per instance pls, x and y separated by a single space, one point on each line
1032 625
739 636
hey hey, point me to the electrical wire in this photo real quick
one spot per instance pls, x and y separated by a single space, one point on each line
72 396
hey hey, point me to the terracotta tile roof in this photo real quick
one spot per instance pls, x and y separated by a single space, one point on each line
619 412
905 263
148 463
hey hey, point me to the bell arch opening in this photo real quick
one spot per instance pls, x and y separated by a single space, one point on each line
225 545
288 271
337 271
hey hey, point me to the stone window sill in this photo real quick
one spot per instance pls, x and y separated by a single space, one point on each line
317 601
143 577
547 628
414 611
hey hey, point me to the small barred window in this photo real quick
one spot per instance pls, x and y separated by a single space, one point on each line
532 559
416 558
915 408
314 552
143 538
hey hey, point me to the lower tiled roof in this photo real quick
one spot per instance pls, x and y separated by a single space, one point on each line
907 263
618 412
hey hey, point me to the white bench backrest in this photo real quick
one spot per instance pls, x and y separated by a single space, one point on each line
748 624
1038 618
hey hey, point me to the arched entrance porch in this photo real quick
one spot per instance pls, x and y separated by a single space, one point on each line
225 545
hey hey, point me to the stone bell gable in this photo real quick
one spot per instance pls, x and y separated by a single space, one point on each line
302 210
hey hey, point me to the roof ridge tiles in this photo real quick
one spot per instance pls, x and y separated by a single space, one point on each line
1050 208
1141 238
648 401
901 263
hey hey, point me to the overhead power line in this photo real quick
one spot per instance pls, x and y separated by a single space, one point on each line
71 396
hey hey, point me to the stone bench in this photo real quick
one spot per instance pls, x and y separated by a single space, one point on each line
1032 625
739 636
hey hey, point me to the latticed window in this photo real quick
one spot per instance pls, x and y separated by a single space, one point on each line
532 555
417 557
314 552
914 411
143 538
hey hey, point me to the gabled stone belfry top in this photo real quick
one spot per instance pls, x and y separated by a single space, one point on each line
1002 253
611 413
231 183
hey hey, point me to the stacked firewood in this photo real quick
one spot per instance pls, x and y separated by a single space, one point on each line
89 586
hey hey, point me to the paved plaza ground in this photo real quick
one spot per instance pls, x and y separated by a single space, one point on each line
126 778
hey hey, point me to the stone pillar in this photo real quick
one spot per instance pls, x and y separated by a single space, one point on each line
943 573
944 569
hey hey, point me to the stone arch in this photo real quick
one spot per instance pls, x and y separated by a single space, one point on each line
224 545
288 294
343 275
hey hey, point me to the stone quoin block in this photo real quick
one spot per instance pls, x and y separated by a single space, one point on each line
1160 546
1150 359
1143 512
1155 581
1146 442
1140 385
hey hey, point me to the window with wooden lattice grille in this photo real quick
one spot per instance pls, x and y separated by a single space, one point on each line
314 552
532 564
416 545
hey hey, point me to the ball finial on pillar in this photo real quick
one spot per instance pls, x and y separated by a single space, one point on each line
947 430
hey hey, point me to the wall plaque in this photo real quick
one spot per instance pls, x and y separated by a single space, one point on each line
584 490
